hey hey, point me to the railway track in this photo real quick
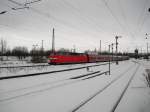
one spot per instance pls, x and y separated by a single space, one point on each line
124 90
49 85
105 87
49 72
55 84
29 66
7 67
64 82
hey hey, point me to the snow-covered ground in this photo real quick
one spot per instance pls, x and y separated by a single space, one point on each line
57 92
14 61
38 69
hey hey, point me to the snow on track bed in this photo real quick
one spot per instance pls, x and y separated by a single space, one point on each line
47 86
21 70
87 101
65 98
114 99
9 94
37 65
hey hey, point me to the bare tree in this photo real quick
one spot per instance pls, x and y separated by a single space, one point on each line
3 47
20 51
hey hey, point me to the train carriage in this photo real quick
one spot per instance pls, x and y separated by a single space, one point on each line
72 58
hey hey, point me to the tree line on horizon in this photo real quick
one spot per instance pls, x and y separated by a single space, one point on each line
22 52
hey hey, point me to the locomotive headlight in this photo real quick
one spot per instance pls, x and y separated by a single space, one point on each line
52 58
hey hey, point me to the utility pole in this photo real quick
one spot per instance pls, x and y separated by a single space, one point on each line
74 48
42 49
147 43
100 47
34 49
112 47
42 45
109 58
2 49
117 48
147 49
53 41
141 52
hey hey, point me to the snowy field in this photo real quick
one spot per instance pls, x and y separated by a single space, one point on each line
64 92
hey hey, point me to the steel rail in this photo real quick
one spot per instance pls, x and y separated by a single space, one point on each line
46 83
99 91
44 73
6 67
68 82
124 91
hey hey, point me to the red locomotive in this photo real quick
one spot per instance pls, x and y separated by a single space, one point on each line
72 58
67 58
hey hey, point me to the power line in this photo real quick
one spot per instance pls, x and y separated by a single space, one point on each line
28 3
56 19
3 12
17 3
143 22
142 17
48 16
113 15
111 12
23 5
84 16
125 19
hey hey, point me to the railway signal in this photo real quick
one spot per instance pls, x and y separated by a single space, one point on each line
147 35
42 49
100 47
109 58
53 41
112 48
117 48
74 48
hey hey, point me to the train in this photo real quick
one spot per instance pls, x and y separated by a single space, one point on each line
75 58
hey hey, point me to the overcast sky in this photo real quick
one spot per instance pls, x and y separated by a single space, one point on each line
79 23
